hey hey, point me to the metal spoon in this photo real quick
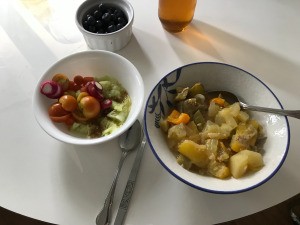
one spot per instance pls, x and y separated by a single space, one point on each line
128 141
231 98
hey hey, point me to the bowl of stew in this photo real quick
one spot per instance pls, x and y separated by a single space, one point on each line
212 144
88 97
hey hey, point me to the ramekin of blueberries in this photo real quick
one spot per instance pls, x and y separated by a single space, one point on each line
105 24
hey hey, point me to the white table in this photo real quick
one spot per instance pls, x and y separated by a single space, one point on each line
59 183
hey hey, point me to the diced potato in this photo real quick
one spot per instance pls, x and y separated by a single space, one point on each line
212 146
230 121
238 143
226 129
219 119
213 109
238 165
243 116
246 136
234 109
255 160
195 152
218 169
223 153
177 132
227 115
254 123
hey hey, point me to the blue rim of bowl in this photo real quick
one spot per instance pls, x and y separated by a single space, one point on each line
199 187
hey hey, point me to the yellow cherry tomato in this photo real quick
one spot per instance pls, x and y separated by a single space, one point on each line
90 107
68 102
81 95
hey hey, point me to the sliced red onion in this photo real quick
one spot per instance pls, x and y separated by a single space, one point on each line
59 92
94 91
48 87
105 104
98 86
51 89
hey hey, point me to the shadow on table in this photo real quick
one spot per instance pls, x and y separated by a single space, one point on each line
251 56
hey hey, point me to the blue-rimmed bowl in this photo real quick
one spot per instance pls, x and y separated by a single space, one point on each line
218 76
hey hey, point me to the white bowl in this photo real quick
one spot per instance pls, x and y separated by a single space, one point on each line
92 63
110 41
218 76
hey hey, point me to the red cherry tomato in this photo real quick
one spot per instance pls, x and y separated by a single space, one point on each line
56 110
87 79
61 119
78 79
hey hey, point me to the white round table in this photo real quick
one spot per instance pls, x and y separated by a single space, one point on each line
64 184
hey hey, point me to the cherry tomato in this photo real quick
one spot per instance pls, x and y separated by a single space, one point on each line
90 107
70 120
73 86
78 116
62 79
68 102
56 110
87 79
78 79
61 119
81 95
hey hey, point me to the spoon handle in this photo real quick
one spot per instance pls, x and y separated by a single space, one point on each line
292 113
104 215
122 211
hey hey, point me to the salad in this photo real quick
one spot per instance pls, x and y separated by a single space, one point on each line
89 106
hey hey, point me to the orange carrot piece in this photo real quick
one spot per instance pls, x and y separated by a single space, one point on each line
219 101
176 117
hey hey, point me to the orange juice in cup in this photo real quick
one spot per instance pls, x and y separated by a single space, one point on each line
175 15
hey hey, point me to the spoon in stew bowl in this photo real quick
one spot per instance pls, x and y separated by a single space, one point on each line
231 98
128 141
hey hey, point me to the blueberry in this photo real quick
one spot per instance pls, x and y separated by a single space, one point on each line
119 26
118 13
102 7
106 17
99 24
111 28
97 14
92 29
121 20
91 21
85 24
114 17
